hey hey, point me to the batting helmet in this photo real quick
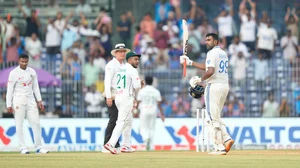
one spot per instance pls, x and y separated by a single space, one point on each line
197 91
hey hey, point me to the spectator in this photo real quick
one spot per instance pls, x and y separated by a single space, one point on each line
83 7
174 53
148 25
75 27
196 103
296 71
68 109
261 70
93 100
264 20
284 108
148 50
162 8
248 26
105 41
225 22
270 107
103 19
124 27
150 63
68 38
99 61
193 42
171 27
33 22
53 39
289 45
65 70
10 28
100 83
27 7
296 96
60 23
78 49
84 29
239 66
137 38
204 29
181 107
161 38
12 55
236 108
75 68
200 16
291 20
52 8
162 62
34 49
236 47
95 45
167 108
266 38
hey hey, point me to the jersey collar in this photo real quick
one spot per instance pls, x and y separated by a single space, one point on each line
23 69
216 47
118 61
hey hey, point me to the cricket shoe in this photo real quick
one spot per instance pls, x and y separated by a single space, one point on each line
105 150
24 151
228 144
127 149
110 148
41 151
222 152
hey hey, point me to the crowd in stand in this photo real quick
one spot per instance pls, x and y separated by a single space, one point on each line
84 49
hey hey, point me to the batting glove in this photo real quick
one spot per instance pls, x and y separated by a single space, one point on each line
194 81
187 59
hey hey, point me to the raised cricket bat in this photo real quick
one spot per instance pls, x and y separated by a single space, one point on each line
185 38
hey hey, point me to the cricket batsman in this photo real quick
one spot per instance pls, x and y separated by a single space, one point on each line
216 91
128 83
23 98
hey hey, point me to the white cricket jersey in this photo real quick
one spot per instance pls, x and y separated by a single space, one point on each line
225 26
128 80
110 79
218 59
148 97
22 83
266 36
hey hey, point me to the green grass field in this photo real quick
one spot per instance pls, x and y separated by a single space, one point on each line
162 159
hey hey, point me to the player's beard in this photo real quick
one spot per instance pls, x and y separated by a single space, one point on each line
135 66
209 47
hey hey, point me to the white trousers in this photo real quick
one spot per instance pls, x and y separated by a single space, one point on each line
147 126
124 122
215 97
24 106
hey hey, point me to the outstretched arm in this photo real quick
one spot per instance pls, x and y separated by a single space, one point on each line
199 65
295 16
242 7
253 7
287 15
193 9
22 11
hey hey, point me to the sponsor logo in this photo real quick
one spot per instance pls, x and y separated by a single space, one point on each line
5 135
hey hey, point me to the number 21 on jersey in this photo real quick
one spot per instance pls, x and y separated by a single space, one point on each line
223 67
121 81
